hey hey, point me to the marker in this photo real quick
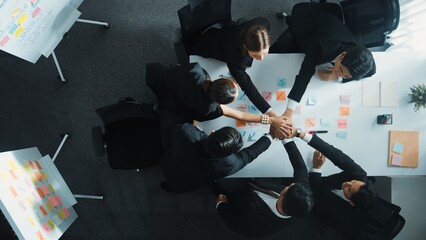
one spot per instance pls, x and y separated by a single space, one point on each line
318 131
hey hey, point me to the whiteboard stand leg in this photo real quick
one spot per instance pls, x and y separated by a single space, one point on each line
105 24
64 138
61 76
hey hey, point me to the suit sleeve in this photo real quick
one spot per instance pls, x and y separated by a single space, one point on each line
300 171
315 182
338 158
248 154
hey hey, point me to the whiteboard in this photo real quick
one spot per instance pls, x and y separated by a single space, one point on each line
31 28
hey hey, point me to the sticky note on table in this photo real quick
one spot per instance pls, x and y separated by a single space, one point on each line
253 109
242 97
267 95
67 213
398 147
342 134
345 99
345 111
49 206
310 122
242 107
56 220
58 199
239 123
52 200
253 136
37 164
297 111
325 122
281 83
44 189
243 135
396 160
280 95
312 101
342 123
61 214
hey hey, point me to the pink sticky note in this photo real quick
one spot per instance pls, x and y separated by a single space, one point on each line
44 189
46 228
58 200
396 160
4 41
267 95
342 123
242 107
67 214
52 200
310 122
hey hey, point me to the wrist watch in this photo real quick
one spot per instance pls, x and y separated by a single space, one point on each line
298 132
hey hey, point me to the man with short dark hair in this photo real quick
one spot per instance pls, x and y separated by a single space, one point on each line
341 197
324 39
254 211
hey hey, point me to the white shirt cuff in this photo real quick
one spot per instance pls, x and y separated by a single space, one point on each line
268 136
316 170
291 104
307 138
286 140
270 109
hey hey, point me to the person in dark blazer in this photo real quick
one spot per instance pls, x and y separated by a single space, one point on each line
323 38
237 45
252 211
340 198
196 159
186 93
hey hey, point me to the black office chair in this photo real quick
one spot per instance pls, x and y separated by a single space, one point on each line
132 136
369 20
194 18
383 222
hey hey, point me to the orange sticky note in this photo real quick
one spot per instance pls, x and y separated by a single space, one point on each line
342 123
38 164
39 235
12 173
32 164
13 191
310 122
38 175
281 95
239 123
43 211
344 111
40 192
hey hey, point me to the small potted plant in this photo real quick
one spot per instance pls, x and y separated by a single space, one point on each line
418 96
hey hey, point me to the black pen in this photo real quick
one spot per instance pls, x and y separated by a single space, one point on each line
318 131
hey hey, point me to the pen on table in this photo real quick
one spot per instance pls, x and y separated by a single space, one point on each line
318 131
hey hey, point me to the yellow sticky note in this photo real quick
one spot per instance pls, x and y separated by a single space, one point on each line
61 214
344 111
310 122
31 220
49 206
43 174
18 31
4 176
30 202
34 179
51 189
12 164
51 224
22 19
27 166
281 95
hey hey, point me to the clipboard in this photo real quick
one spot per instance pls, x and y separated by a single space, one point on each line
409 156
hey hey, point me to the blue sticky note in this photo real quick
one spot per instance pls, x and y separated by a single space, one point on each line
242 96
281 83
253 137
398 147
312 101
342 134
243 134
325 122
253 109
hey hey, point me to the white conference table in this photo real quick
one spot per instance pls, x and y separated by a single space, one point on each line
367 142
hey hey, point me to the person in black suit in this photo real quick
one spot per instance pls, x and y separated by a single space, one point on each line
323 38
252 212
186 93
195 158
237 45
340 198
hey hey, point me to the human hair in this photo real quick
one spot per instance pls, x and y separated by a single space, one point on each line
222 90
254 38
359 61
298 200
223 142
366 197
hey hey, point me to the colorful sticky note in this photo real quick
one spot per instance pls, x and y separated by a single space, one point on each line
253 109
4 176
243 135
35 12
51 224
342 134
49 206
45 228
43 210
13 191
52 200
58 199
312 101
37 164
396 160
32 165
67 213
38 176
280 95
344 111
12 173
281 83
4 41
398 147
22 205
345 99
31 220
39 236
22 19
44 175
342 123
267 95
242 107
325 122
61 214
252 137
44 189
27 166
30 202
34 179
11 164
56 220
239 123
310 122
51 189
297 111
40 192
242 97
18 31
